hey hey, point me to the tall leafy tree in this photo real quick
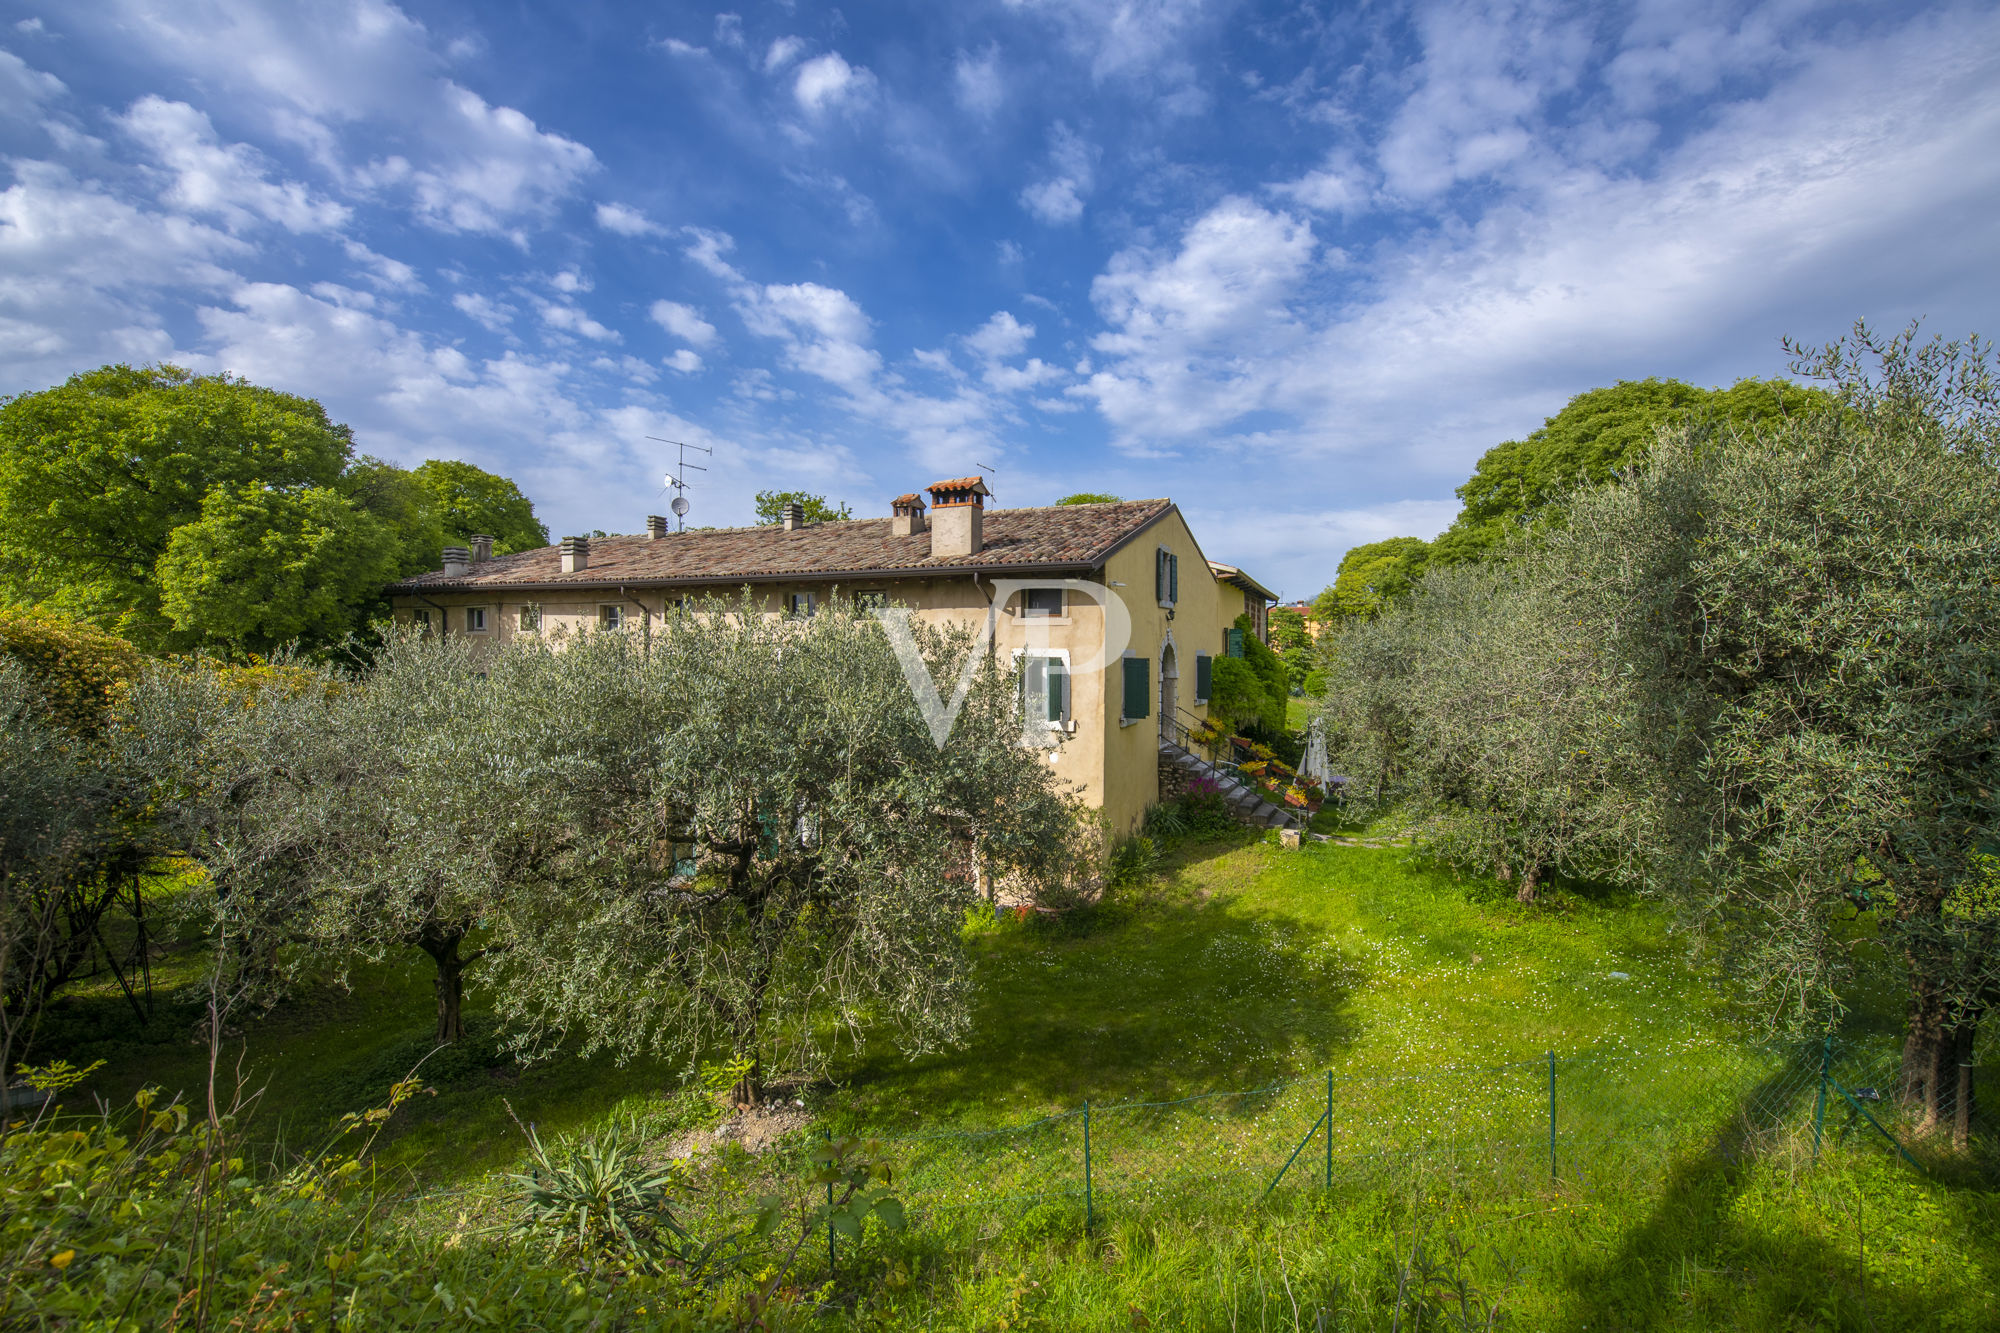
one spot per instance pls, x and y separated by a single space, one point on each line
187 511
468 502
1370 577
1596 434
1089 498
771 507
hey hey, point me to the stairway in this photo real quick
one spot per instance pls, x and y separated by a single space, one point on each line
1246 803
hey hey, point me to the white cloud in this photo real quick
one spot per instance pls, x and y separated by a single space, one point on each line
976 81
1195 337
1000 337
500 167
829 83
495 315
1059 198
707 248
383 272
570 282
1122 37
225 181
1341 186
683 360
1487 73
23 90
626 221
80 268
315 71
571 318
684 322
782 53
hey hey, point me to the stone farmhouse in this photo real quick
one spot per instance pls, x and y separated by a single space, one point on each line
1051 580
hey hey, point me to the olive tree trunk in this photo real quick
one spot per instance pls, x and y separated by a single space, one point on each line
442 944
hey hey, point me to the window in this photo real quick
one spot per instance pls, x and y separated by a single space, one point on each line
531 617
1138 689
1204 677
870 601
1041 601
1166 576
1045 683
475 620
422 620
610 617
798 603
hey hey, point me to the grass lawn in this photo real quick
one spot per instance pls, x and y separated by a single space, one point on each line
1244 965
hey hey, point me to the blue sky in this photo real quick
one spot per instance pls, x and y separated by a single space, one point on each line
1295 266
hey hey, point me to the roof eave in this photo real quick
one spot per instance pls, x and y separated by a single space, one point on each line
733 580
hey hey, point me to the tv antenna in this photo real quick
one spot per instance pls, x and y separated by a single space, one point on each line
677 479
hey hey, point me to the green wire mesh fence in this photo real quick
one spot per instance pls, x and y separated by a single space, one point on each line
1593 1120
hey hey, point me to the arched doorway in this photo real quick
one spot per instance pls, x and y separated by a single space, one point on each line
1170 673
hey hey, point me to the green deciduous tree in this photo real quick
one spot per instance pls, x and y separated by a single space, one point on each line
468 502
771 507
188 511
1597 433
261 567
1371 576
1089 498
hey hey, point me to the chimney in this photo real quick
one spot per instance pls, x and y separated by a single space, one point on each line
958 517
575 554
457 562
908 515
795 516
482 550
656 527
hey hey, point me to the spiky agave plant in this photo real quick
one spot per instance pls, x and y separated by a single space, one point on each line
597 1198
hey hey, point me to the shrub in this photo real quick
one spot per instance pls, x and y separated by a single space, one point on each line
77 670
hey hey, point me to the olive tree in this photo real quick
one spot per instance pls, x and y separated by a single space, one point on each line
243 767
1809 622
476 783
73 845
1475 706
771 848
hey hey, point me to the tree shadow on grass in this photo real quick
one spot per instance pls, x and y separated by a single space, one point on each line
1156 995
1696 1261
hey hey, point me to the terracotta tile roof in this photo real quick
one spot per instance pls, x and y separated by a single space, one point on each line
1059 536
1231 574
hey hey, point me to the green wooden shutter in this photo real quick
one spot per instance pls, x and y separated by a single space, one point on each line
1058 689
1138 688
1159 576
1204 675
1173 578
1235 642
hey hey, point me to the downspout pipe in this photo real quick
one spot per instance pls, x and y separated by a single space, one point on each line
647 611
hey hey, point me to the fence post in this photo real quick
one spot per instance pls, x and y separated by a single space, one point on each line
1329 1129
1819 1110
1552 1115
1088 1215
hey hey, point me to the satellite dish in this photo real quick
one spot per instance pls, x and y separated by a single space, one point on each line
680 506
672 482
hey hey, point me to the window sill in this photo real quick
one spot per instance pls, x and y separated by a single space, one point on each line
1131 721
1042 620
